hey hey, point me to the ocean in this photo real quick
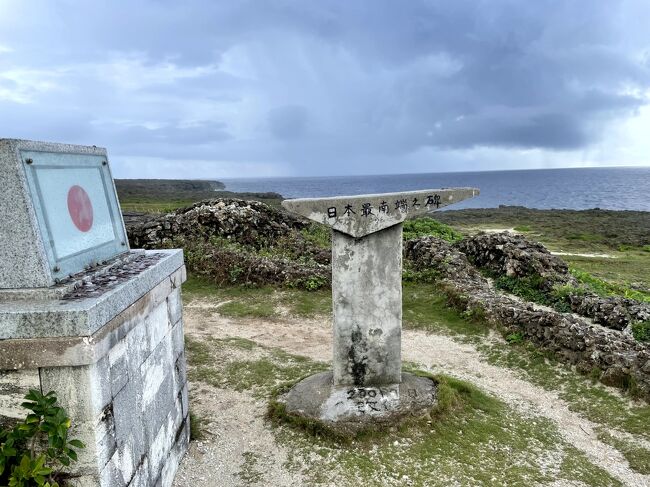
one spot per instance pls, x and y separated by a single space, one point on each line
623 188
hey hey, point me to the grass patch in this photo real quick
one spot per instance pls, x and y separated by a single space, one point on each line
425 308
605 288
582 395
580 230
637 456
258 302
529 288
196 433
441 449
522 228
243 365
585 237
250 470
629 268
421 227
248 309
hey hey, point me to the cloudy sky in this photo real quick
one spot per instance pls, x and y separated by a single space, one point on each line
228 88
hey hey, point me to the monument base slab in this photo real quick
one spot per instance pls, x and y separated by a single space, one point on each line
350 409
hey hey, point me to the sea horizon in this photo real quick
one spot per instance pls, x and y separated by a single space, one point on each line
615 188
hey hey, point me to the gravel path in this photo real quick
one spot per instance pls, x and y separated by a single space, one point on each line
439 353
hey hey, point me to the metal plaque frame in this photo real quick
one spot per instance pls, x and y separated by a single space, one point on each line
61 267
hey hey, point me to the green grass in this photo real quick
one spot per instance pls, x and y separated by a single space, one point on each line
318 234
425 308
584 396
196 433
585 230
442 449
243 365
605 288
637 456
513 450
258 302
626 269
641 331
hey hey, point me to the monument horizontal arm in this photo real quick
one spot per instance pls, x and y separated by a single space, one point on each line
361 215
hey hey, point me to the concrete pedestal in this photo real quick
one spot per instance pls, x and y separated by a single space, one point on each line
110 344
349 409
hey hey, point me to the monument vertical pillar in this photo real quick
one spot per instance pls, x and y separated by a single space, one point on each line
367 306
366 384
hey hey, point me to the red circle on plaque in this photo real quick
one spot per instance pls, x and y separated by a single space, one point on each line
80 208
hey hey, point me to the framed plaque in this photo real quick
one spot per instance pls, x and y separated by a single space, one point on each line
76 208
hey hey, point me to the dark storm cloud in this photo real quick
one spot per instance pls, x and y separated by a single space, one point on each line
307 82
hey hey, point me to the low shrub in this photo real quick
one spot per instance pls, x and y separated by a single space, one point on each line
36 451
421 227
641 331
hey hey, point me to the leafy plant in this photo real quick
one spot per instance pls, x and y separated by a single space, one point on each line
35 451
530 288
517 337
312 283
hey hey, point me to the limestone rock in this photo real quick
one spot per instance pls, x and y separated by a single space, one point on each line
571 338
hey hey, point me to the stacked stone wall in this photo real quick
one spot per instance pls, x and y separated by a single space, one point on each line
622 360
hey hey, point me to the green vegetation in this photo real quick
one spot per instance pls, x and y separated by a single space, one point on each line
320 235
196 433
638 457
590 399
425 308
641 331
522 228
421 227
581 230
166 195
36 451
250 472
624 236
530 288
604 288
241 364
284 262
442 448
466 424
257 302
536 289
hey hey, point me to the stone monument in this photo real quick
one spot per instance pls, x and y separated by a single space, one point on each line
86 317
366 384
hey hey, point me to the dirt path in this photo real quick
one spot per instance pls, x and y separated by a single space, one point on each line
438 353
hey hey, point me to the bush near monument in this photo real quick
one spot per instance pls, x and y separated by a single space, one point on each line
37 450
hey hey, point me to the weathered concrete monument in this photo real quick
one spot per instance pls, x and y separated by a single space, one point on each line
86 317
366 384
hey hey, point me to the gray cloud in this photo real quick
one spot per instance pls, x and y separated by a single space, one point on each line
318 87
